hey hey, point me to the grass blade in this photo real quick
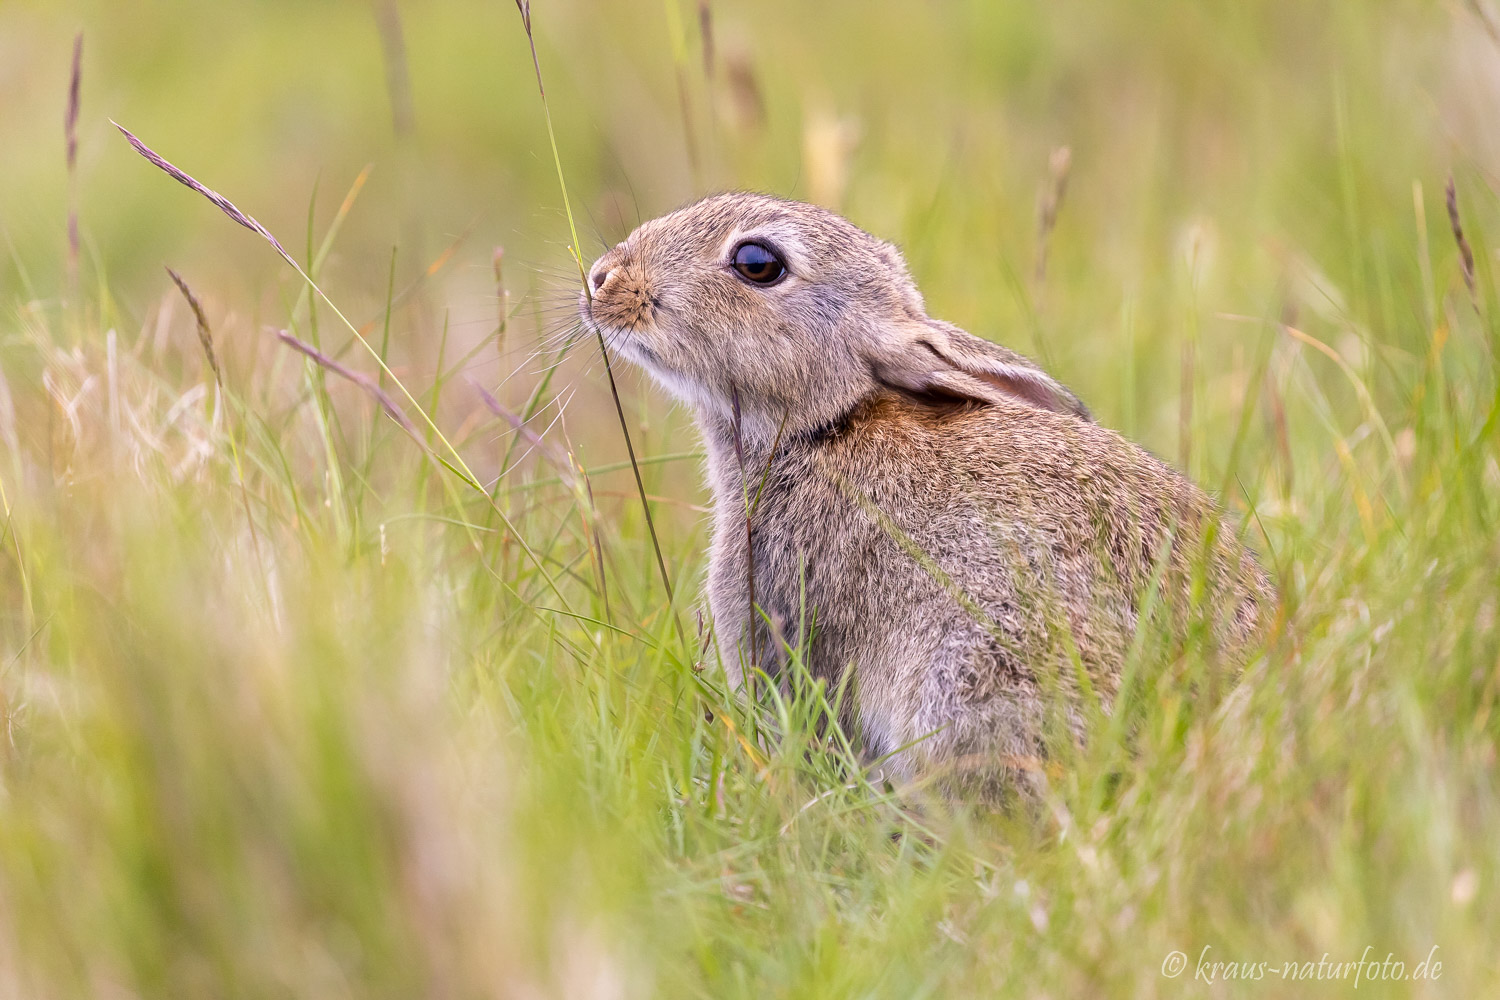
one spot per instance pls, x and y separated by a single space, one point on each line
524 6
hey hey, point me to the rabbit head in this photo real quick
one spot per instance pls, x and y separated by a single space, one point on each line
788 315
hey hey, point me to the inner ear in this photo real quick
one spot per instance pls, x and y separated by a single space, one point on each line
1040 393
952 371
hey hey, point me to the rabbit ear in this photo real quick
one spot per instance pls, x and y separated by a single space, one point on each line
937 359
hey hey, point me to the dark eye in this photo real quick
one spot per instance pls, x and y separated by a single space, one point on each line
758 264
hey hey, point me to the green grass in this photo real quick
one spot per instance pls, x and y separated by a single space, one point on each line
288 709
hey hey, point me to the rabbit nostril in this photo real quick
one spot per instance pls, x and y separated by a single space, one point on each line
600 276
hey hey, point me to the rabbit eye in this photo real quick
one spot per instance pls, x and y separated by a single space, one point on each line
758 264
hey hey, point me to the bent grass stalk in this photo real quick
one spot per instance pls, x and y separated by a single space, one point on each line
1465 252
360 379
206 341
400 298
524 7
457 466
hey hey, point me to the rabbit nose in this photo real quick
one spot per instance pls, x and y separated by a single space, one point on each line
606 265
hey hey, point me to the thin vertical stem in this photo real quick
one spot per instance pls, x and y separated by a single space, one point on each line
739 455
524 6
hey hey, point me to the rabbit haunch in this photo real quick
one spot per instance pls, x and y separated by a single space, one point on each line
936 514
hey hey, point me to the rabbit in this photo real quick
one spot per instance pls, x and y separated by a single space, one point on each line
932 517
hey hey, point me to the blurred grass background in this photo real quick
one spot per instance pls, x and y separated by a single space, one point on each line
291 711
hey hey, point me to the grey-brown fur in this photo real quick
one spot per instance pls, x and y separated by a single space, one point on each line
946 513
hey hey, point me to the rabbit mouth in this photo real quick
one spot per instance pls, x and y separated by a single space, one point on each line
631 345
625 342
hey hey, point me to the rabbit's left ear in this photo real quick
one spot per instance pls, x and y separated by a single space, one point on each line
937 359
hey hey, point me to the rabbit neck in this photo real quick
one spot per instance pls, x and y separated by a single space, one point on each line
746 444
737 450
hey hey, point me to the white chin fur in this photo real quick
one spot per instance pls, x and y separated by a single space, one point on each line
686 390
679 386
625 344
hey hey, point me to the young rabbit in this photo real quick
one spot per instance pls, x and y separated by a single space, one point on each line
929 510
